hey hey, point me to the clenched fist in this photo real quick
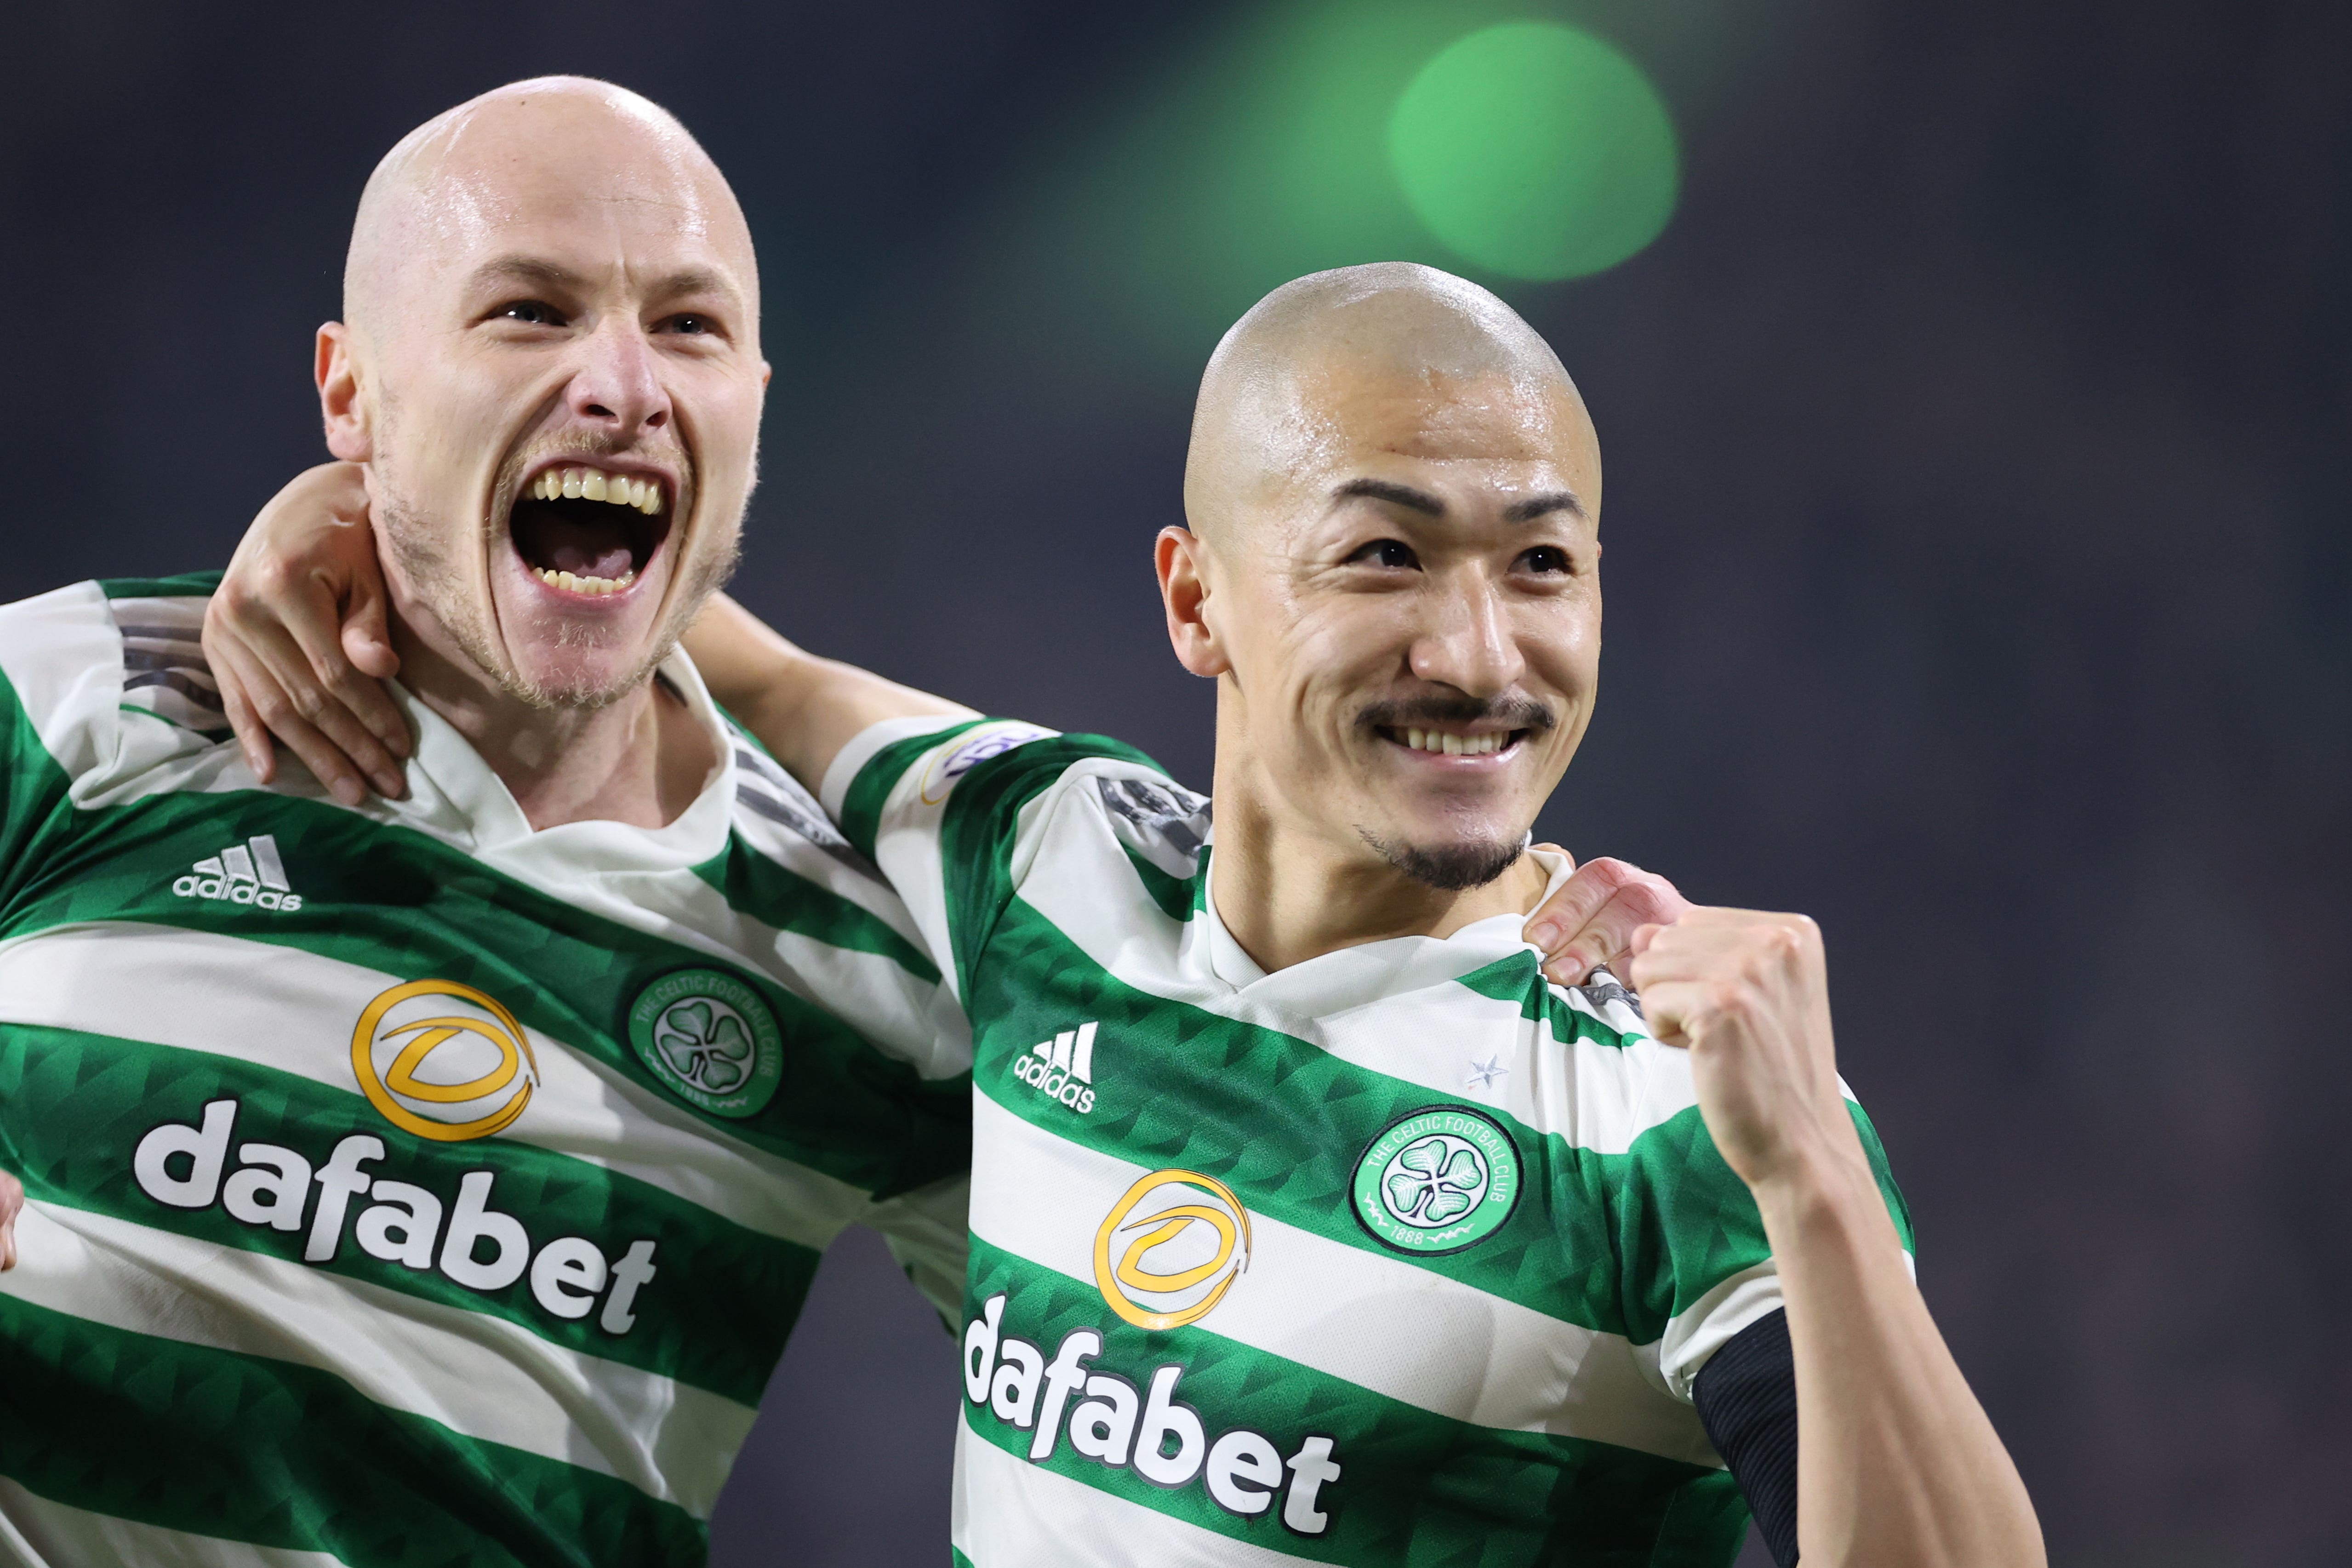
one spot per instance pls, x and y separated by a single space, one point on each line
1747 994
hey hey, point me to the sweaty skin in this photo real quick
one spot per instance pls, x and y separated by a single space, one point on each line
1392 576
1394 564
548 282
300 617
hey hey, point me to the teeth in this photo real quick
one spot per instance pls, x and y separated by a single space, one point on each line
592 586
1454 745
595 485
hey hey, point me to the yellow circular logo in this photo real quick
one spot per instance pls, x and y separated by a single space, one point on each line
411 1024
1170 1249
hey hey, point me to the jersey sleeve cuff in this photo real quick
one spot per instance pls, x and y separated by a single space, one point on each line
868 743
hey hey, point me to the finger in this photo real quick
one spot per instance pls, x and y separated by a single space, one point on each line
369 661
324 707
1672 1009
327 761
1599 941
1633 899
1579 899
305 652
367 634
1643 899
1715 914
252 734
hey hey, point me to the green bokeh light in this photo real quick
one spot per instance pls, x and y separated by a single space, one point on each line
1536 151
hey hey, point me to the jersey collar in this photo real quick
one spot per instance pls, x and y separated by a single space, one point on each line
1370 972
456 796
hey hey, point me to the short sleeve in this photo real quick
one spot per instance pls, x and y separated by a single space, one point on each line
64 708
1695 1265
945 811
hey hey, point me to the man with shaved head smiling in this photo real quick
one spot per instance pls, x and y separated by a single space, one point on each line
1311 1222
435 1178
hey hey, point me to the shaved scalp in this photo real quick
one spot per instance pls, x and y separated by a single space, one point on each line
438 183
1264 412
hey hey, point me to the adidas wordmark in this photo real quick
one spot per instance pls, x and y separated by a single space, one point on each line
249 873
1062 1068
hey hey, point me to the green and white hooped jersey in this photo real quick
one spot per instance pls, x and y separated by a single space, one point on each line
1401 1256
406 1186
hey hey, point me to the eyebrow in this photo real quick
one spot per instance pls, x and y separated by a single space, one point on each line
1422 501
537 272
1403 496
1535 507
526 270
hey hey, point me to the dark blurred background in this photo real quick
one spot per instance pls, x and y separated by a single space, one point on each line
1979 553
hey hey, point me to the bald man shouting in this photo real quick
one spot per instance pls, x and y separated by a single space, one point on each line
1310 1222
436 1180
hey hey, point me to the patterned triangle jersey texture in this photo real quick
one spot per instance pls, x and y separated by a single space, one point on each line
405 1185
1401 1256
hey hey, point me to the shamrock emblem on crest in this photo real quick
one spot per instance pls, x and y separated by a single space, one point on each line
1432 1189
708 1046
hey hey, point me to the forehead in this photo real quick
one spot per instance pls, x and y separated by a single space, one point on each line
1357 414
579 182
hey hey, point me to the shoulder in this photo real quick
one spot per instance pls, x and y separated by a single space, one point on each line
779 817
110 674
904 771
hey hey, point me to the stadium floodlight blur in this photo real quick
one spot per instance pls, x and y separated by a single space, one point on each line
1536 151
1330 133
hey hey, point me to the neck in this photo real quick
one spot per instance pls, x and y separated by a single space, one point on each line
1291 888
640 761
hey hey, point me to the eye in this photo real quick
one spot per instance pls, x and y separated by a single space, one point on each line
1393 554
1547 560
690 325
531 312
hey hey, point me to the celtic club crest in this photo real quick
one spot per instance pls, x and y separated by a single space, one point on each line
711 1040
1437 1181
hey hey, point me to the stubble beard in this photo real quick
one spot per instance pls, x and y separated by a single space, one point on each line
1449 868
1460 866
423 561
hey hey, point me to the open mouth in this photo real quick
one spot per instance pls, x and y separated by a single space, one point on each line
1447 743
591 530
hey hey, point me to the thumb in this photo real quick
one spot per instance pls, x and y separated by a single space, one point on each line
367 636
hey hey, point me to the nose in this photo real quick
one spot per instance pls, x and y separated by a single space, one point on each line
618 389
1466 643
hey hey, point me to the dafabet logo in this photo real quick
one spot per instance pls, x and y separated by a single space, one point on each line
448 1064
1167 1253
443 1061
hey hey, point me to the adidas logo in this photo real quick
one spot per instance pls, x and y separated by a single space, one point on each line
1062 1068
249 873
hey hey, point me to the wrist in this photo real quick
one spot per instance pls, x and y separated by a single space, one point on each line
1820 1188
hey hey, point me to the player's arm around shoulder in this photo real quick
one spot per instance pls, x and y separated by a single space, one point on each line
1898 1464
803 709
297 637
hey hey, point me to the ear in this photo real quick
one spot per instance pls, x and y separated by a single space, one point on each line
1182 561
341 400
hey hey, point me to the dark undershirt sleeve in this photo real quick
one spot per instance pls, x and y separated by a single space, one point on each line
1747 1398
